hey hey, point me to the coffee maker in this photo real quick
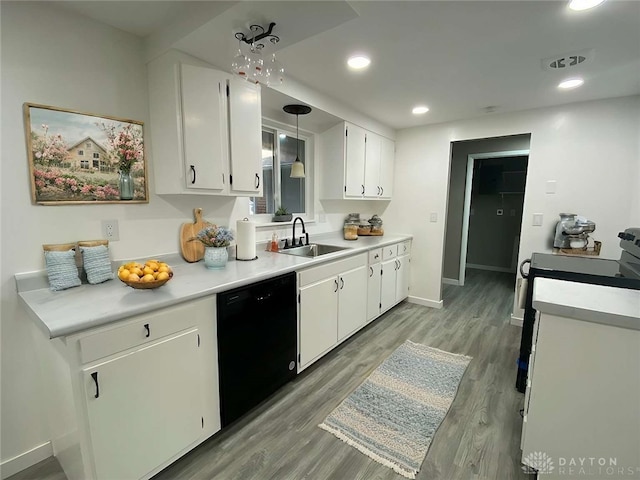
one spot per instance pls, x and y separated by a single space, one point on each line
572 231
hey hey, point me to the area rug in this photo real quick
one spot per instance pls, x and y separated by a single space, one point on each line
394 414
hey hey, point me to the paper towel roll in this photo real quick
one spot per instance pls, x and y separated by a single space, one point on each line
245 240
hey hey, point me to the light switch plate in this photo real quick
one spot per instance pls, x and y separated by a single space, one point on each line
551 186
433 218
537 219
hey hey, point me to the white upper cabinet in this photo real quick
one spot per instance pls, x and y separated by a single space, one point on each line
354 155
204 126
205 129
245 124
356 163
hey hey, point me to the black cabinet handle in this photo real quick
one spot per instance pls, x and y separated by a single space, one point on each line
263 298
193 174
376 256
371 269
381 190
336 282
399 264
94 375
146 327
341 283
257 181
362 189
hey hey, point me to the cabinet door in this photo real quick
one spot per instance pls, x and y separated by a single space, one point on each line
318 319
245 126
373 291
402 278
372 166
387 162
354 161
352 302
148 406
204 125
388 284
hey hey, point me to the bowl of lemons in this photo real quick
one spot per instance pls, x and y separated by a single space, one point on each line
150 274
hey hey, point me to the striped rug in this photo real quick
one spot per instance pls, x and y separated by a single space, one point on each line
394 414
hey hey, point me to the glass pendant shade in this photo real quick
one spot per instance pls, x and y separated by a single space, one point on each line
297 167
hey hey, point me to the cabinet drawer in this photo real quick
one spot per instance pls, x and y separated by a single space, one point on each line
143 329
404 248
375 256
390 251
315 274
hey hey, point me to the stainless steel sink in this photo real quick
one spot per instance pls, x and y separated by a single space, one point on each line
313 250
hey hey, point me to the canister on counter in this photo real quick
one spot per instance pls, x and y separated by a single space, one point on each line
350 230
376 225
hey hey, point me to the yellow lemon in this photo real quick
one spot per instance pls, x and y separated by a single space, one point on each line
163 268
147 278
148 270
124 274
162 276
137 271
155 275
133 278
152 265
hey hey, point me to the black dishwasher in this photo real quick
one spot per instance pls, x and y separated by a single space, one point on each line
257 343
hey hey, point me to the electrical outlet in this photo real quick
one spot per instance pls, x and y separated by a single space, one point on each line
537 219
110 230
433 218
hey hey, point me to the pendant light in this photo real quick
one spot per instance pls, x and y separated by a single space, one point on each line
297 168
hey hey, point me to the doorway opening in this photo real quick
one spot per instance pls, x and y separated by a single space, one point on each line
492 218
485 204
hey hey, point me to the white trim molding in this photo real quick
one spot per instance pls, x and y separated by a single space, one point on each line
517 321
450 281
11 466
425 302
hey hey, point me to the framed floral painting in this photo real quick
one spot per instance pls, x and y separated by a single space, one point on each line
79 157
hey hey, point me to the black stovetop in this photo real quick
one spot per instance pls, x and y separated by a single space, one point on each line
598 271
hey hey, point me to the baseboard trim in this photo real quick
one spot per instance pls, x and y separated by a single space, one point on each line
425 302
451 281
490 268
27 459
517 321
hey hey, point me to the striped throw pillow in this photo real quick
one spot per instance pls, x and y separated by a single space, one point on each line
61 269
97 263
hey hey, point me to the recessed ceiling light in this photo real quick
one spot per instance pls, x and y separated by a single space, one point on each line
358 62
420 109
570 83
579 5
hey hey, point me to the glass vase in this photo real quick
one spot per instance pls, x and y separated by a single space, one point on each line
126 186
215 257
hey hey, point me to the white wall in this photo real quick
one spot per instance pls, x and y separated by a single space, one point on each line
591 149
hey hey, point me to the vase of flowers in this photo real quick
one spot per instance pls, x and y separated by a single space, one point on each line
126 146
215 240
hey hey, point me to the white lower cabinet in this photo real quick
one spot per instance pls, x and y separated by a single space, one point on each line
373 291
394 284
333 303
129 398
144 407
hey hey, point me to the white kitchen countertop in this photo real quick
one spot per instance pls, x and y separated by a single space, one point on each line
76 309
614 306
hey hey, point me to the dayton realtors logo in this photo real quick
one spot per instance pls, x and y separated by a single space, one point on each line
537 462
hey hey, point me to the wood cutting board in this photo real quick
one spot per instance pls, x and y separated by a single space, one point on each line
192 251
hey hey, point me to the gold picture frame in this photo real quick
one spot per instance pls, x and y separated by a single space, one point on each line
84 158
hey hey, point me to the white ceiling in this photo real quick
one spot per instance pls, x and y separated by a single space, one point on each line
457 57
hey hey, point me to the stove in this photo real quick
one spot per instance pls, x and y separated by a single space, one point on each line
623 273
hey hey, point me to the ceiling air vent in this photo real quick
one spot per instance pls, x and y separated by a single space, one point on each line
567 61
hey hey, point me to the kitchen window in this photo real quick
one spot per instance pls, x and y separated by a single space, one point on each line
278 154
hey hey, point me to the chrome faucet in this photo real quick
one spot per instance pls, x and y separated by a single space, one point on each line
293 234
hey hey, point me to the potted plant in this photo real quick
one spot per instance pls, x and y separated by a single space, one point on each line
282 215
215 240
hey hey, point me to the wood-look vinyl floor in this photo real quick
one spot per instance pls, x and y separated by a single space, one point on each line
479 438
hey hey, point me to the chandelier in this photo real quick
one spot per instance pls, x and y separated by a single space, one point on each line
249 62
